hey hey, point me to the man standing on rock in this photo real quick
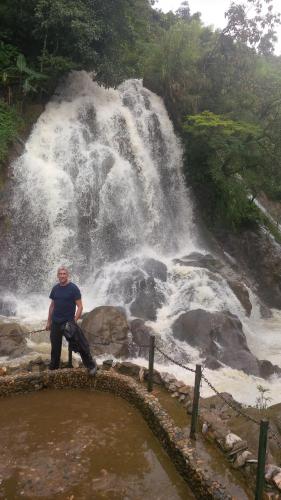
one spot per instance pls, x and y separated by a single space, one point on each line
64 311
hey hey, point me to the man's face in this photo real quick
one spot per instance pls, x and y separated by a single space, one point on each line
63 276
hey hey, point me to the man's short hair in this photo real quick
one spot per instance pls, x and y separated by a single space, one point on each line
63 268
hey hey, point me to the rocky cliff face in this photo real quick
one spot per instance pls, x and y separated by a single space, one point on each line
259 257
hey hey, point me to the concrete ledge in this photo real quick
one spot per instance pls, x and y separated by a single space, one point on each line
178 446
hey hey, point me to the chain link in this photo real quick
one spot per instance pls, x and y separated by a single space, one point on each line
36 331
203 377
173 361
228 403
275 437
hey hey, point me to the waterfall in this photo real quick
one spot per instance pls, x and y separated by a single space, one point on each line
100 180
100 188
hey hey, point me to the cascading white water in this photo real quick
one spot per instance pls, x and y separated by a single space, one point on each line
100 189
100 179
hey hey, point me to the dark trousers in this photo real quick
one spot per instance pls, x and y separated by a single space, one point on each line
56 343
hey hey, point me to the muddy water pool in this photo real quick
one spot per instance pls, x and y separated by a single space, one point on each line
72 444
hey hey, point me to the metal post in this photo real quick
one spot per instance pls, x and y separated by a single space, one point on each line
70 365
261 459
195 404
151 363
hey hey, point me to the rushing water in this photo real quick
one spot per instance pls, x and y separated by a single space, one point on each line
100 188
81 444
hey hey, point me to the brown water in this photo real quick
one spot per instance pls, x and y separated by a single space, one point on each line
73 444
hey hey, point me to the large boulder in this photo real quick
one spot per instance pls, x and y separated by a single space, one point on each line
155 269
259 256
127 281
148 300
197 259
242 294
140 336
12 340
219 336
216 265
107 325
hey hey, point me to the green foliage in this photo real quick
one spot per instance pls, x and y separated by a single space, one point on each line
225 160
172 67
253 23
14 70
58 35
10 124
233 150
41 40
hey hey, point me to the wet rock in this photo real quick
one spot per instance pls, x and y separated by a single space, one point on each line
242 294
277 480
271 470
12 340
127 368
127 283
196 259
167 378
107 364
184 390
260 257
157 379
38 365
241 459
270 495
205 428
238 447
230 440
155 269
140 335
107 325
148 300
267 368
212 363
219 335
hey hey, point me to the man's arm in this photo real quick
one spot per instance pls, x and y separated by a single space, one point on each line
79 309
49 321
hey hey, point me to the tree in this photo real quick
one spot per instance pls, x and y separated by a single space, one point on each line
225 165
172 67
253 23
184 11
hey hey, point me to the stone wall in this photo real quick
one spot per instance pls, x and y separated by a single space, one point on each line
179 448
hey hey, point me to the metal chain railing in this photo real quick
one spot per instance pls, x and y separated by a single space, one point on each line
173 360
199 376
233 406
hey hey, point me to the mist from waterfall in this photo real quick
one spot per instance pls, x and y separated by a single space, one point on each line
100 188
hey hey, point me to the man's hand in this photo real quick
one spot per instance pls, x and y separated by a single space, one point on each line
78 310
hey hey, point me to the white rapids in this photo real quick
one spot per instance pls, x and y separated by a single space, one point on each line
100 188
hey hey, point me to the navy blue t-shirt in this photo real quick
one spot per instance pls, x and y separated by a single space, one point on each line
64 298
